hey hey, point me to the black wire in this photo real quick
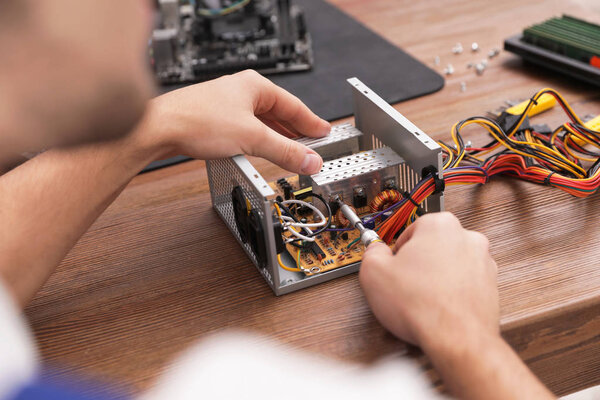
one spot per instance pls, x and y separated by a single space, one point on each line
586 129
329 216
521 119
533 152
305 245
578 148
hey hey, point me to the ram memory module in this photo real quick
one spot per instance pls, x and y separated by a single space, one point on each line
565 44
568 36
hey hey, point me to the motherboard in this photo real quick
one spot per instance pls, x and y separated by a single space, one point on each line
197 40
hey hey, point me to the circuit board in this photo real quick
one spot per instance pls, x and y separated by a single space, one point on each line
204 39
333 249
337 254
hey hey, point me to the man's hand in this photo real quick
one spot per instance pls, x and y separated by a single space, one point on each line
439 278
241 113
437 289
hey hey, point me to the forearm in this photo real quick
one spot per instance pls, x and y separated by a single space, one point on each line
483 366
48 203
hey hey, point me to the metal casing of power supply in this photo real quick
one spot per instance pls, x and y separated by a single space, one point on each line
343 140
369 170
377 125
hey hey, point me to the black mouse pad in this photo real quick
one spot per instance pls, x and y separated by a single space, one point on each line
344 48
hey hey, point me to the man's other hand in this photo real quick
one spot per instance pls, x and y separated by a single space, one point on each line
438 283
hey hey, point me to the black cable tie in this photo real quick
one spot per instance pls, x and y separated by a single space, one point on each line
407 195
440 184
534 101
547 179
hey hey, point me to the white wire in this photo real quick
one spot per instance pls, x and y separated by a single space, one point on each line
322 218
291 222
300 236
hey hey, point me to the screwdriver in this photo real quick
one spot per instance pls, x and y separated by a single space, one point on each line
367 236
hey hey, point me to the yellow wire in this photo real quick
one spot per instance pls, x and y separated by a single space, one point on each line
282 265
563 161
410 217
568 149
524 114
580 136
450 154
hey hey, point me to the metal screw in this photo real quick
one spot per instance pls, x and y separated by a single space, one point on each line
449 70
436 60
479 68
463 86
457 49
474 47
470 65
494 52
359 191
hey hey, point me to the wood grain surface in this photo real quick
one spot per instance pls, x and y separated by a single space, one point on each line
159 270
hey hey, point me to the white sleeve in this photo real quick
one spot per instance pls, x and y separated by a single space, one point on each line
243 366
17 352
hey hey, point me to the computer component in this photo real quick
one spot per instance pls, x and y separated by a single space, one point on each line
197 40
357 179
342 141
269 219
569 36
566 44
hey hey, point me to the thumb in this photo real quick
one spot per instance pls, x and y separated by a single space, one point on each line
376 251
286 153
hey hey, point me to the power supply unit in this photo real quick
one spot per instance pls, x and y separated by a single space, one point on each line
382 153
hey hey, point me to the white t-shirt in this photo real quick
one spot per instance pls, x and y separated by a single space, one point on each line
234 365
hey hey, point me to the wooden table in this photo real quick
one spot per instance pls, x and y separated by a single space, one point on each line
159 270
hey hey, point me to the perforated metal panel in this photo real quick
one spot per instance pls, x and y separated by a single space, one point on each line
368 170
341 141
223 176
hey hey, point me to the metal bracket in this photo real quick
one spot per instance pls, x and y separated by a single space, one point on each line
382 125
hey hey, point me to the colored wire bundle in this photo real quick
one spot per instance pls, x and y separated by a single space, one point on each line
555 159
